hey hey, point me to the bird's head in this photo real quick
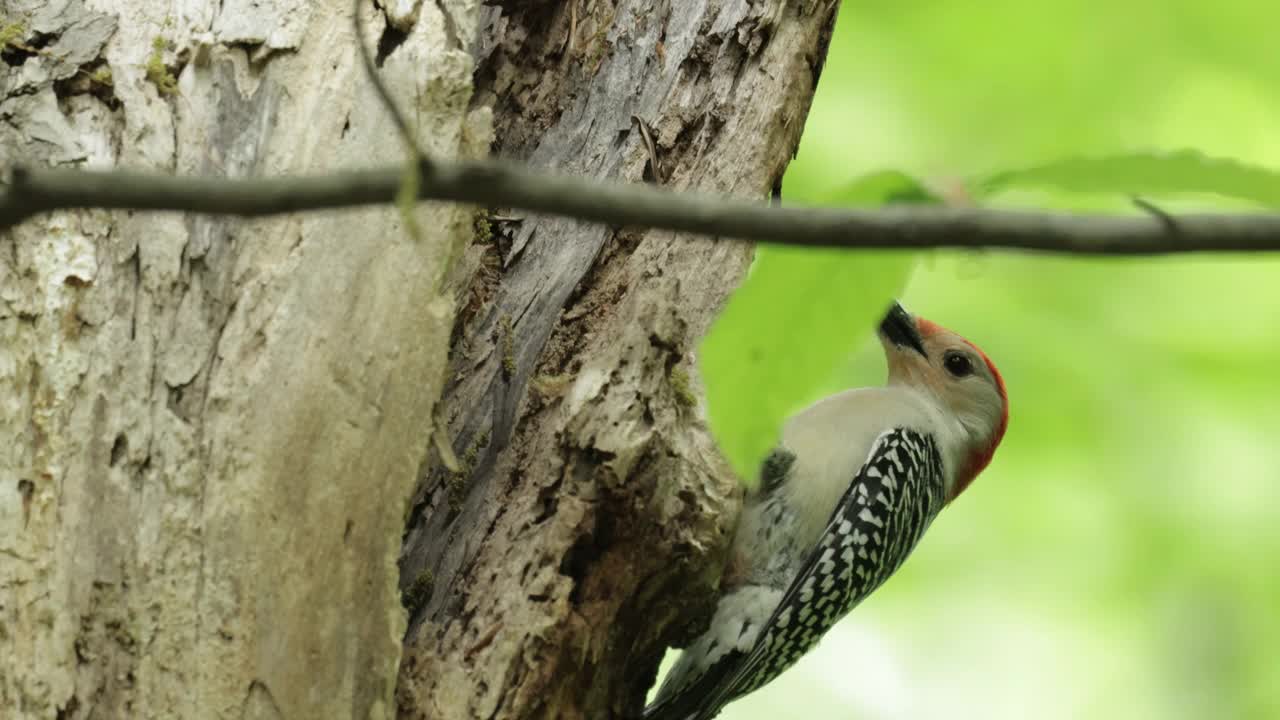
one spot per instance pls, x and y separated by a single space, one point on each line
958 377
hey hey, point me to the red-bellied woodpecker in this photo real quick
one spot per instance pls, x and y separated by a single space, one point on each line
842 501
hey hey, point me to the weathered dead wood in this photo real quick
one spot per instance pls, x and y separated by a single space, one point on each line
588 527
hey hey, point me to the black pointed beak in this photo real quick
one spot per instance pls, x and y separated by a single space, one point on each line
899 328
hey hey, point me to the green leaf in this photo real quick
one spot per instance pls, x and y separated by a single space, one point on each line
1176 173
796 318
883 188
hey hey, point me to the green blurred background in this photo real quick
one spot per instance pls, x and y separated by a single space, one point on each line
1121 556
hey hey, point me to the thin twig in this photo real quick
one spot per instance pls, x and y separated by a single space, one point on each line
569 43
411 178
370 70
651 146
498 184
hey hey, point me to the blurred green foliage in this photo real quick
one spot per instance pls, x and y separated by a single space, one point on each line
1180 174
760 359
1119 558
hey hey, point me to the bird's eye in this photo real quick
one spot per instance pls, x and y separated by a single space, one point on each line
957 364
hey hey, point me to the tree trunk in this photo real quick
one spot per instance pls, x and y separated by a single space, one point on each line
213 428
588 527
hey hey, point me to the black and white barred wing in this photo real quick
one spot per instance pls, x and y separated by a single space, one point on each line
877 523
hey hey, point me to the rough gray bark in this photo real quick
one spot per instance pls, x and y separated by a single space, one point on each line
211 427
588 527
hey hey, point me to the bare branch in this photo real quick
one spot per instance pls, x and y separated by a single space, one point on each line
498 184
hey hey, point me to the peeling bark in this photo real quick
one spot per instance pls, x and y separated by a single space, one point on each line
211 427
588 527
